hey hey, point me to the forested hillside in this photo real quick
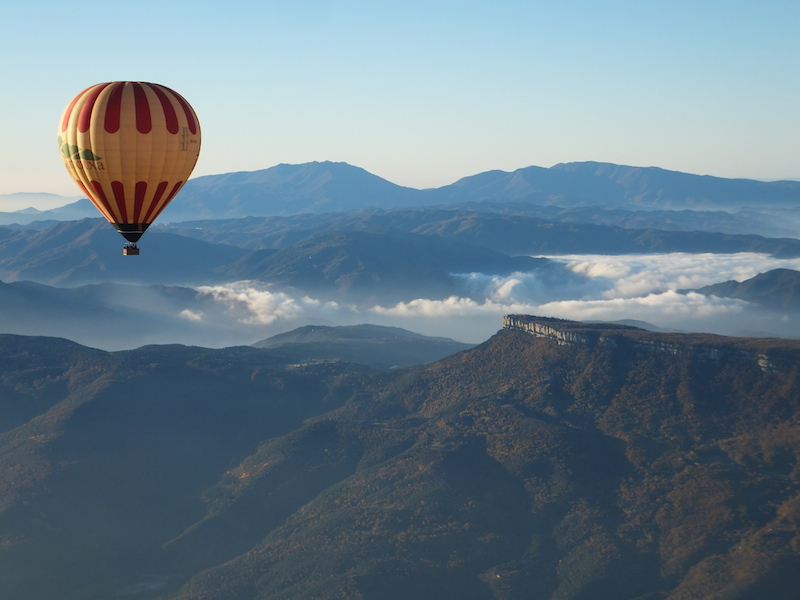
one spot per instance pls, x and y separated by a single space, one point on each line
555 461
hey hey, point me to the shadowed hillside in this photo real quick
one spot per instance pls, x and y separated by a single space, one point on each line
779 289
512 233
377 261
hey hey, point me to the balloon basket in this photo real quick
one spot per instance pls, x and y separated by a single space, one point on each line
130 250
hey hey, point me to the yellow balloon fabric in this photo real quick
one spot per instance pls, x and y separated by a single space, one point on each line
130 146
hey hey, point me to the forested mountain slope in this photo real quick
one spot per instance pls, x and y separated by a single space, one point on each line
557 460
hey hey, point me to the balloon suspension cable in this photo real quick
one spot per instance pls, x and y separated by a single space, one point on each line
130 250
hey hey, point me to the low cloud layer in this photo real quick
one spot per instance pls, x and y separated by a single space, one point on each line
605 288
628 276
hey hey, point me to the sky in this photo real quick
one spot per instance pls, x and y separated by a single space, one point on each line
422 93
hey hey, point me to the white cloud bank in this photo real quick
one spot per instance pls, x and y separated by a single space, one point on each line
253 303
691 312
669 303
633 275
605 288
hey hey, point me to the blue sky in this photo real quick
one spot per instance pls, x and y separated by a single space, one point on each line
422 93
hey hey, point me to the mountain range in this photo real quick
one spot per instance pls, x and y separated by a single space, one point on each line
390 252
22 204
510 233
320 187
366 256
361 262
89 292
555 460
333 187
71 280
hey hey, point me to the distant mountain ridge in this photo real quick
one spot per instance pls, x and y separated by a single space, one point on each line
319 187
287 189
24 204
326 186
597 183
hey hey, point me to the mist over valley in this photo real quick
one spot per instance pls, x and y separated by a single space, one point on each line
495 243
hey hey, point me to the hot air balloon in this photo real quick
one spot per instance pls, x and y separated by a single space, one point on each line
130 146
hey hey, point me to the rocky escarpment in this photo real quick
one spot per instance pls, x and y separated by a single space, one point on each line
770 355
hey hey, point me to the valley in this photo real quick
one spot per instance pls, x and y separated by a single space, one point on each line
606 469
547 385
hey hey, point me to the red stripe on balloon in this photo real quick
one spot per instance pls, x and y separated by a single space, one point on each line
174 191
188 112
119 197
99 196
114 108
144 123
83 187
159 192
138 200
68 112
169 110
85 118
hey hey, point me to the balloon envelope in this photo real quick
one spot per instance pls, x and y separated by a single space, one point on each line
130 146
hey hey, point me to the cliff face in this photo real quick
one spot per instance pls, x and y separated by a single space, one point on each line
702 347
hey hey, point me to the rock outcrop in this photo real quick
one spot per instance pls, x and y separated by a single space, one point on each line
704 347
